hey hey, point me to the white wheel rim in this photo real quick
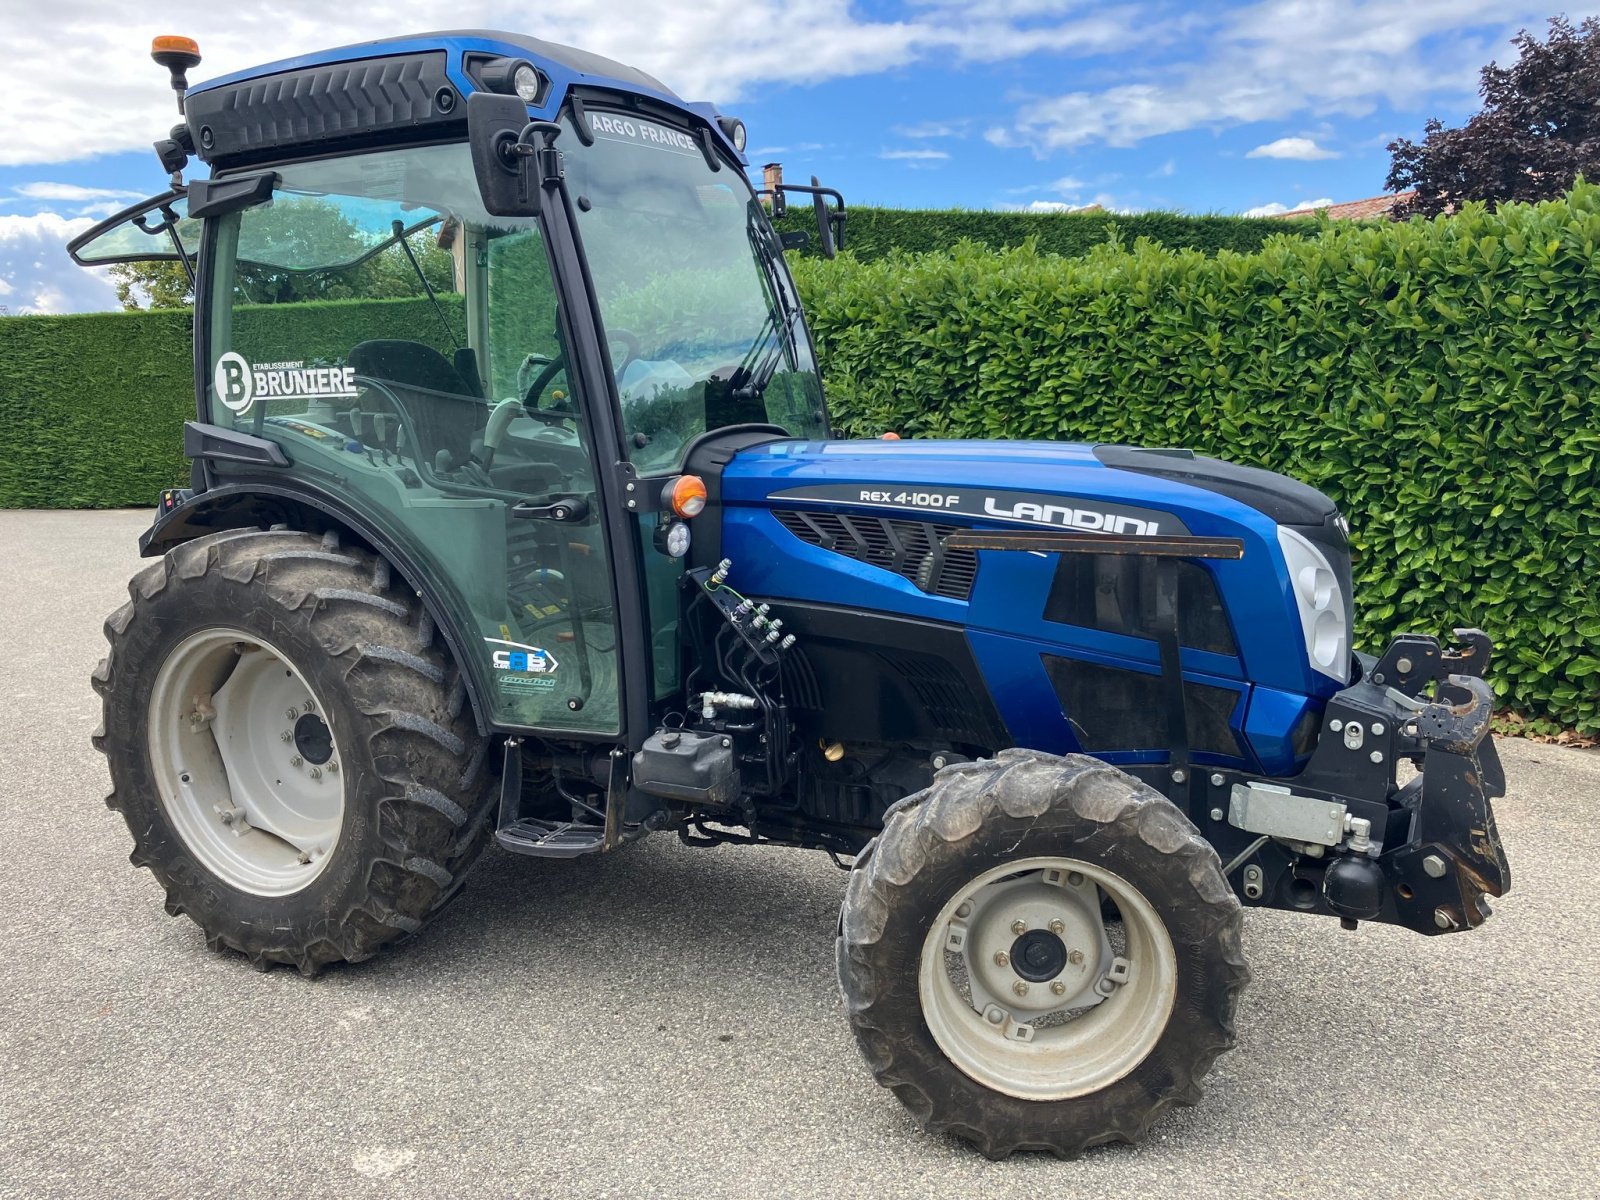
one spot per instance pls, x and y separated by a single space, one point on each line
236 747
1088 1012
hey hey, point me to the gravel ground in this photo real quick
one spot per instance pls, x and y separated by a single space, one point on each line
664 1021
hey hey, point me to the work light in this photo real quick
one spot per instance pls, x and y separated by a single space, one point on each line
735 130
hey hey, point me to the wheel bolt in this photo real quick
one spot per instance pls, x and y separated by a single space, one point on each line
296 761
310 704
1058 988
316 772
1058 926
1001 959
286 736
333 766
1076 958
291 713
1020 988
1019 927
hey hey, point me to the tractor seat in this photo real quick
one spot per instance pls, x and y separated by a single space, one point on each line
442 407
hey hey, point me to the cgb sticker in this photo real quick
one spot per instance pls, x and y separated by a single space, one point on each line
238 384
521 667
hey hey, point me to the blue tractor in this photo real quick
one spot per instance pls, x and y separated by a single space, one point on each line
515 513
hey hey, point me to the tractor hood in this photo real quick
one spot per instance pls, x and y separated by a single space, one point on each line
1113 489
861 524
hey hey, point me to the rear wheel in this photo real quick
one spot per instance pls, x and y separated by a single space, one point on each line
1040 953
290 747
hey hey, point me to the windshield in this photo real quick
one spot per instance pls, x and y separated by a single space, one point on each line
701 318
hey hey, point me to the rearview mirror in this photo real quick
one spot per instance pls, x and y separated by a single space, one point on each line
830 221
494 123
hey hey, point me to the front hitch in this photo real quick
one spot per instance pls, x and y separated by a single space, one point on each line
1453 858
1346 836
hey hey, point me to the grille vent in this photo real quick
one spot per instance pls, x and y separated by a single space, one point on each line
914 550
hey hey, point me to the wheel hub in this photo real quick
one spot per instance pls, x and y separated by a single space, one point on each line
1022 988
245 763
1038 956
312 739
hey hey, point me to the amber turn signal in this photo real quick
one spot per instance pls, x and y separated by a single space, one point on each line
685 495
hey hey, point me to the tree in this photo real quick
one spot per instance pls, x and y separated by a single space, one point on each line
1538 131
151 285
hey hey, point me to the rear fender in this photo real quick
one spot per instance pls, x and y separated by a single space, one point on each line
262 505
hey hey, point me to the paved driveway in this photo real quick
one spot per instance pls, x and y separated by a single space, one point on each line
664 1021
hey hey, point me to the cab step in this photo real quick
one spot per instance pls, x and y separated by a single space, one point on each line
550 839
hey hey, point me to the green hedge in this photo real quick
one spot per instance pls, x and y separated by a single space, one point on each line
92 406
1437 379
872 233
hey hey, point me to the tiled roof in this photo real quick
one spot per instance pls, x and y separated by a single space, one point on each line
1352 210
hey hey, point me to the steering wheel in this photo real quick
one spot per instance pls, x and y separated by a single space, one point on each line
554 366
530 395
630 349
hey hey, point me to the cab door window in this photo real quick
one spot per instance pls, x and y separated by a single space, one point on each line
403 348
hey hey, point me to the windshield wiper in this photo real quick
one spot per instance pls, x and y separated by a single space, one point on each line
765 356
400 232
766 353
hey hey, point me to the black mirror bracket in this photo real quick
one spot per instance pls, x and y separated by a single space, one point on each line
547 159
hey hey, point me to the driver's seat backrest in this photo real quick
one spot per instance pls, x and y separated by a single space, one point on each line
443 407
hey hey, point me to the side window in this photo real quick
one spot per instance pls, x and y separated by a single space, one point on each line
140 233
401 346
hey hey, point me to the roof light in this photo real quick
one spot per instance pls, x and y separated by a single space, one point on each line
525 82
735 130
685 495
513 76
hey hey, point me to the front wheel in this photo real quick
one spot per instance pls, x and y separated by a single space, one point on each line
986 985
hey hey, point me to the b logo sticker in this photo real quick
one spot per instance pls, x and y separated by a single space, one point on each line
234 382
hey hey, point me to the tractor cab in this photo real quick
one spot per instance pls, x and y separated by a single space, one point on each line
489 324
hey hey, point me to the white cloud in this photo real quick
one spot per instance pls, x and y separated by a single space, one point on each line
1101 200
1299 148
72 192
1279 58
1274 208
36 276
714 49
936 129
914 156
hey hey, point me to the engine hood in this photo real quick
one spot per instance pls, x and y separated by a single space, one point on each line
1061 484
790 519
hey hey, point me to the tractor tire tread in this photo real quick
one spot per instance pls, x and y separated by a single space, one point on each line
419 733
1018 788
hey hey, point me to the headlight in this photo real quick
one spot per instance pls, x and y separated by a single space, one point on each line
1321 604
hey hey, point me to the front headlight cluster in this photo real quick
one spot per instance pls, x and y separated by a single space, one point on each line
1321 603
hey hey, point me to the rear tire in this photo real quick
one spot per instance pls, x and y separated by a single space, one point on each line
1004 828
404 749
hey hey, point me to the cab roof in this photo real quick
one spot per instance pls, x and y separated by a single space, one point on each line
392 90
557 61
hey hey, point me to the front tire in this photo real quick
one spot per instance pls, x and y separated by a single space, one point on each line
987 992
290 747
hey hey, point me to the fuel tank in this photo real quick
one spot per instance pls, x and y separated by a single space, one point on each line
1062 643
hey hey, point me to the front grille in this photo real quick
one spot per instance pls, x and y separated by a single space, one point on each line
914 550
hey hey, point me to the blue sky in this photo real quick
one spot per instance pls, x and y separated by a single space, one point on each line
1042 104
